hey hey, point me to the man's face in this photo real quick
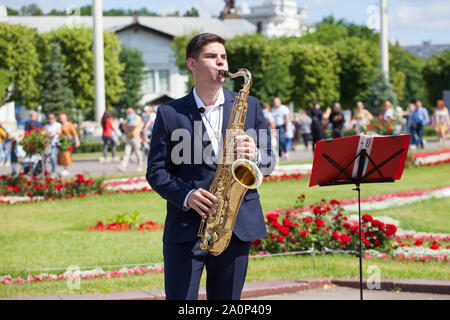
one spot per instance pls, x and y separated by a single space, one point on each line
211 59
276 102
62 118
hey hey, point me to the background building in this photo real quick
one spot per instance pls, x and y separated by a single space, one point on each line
277 18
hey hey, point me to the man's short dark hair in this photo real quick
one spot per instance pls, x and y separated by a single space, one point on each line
195 45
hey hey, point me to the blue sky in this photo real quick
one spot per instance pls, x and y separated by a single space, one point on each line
410 21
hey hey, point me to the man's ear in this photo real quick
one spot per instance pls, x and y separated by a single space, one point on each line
190 63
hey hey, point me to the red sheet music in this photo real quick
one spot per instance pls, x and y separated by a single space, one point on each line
343 150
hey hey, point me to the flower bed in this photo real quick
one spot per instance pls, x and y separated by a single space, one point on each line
145 226
25 189
430 158
97 273
280 173
326 227
323 226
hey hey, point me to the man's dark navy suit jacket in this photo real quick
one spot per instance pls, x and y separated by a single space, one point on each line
173 181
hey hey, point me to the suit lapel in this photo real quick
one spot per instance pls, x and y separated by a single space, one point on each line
198 133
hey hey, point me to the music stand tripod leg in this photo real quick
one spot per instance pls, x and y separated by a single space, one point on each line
362 157
360 242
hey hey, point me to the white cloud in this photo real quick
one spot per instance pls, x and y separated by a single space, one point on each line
426 14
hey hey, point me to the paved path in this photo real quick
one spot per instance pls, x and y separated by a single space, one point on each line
343 293
95 168
311 289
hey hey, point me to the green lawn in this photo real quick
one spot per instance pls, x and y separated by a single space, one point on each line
51 235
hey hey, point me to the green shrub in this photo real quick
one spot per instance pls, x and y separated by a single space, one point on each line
94 146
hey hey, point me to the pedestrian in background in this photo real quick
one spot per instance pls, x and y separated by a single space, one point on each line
68 130
281 116
420 119
441 121
317 132
289 135
33 122
409 124
305 127
270 121
3 145
108 136
361 118
148 118
54 129
389 113
133 125
337 121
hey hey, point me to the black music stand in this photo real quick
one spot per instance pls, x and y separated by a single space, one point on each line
344 177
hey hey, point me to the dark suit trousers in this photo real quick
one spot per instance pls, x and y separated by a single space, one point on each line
184 263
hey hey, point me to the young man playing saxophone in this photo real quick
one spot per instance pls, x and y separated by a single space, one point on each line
185 184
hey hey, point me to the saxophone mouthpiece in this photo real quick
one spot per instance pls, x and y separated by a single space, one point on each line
224 74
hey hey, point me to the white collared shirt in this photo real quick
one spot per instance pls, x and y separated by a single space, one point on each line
212 119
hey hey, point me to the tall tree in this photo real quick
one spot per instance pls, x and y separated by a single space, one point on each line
436 75
132 76
31 10
57 95
77 57
268 62
409 66
179 47
381 90
358 59
316 75
20 65
12 12
193 12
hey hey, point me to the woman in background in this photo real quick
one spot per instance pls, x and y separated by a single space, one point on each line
68 130
441 121
108 135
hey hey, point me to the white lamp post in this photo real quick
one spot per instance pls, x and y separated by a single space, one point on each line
99 65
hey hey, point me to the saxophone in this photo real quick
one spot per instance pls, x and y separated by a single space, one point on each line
232 178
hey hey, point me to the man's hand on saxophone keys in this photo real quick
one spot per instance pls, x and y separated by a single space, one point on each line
245 147
203 202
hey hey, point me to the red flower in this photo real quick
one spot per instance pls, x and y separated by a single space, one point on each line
318 210
390 230
435 245
419 242
284 230
257 242
280 239
307 220
304 233
335 235
288 223
367 217
345 238
319 222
